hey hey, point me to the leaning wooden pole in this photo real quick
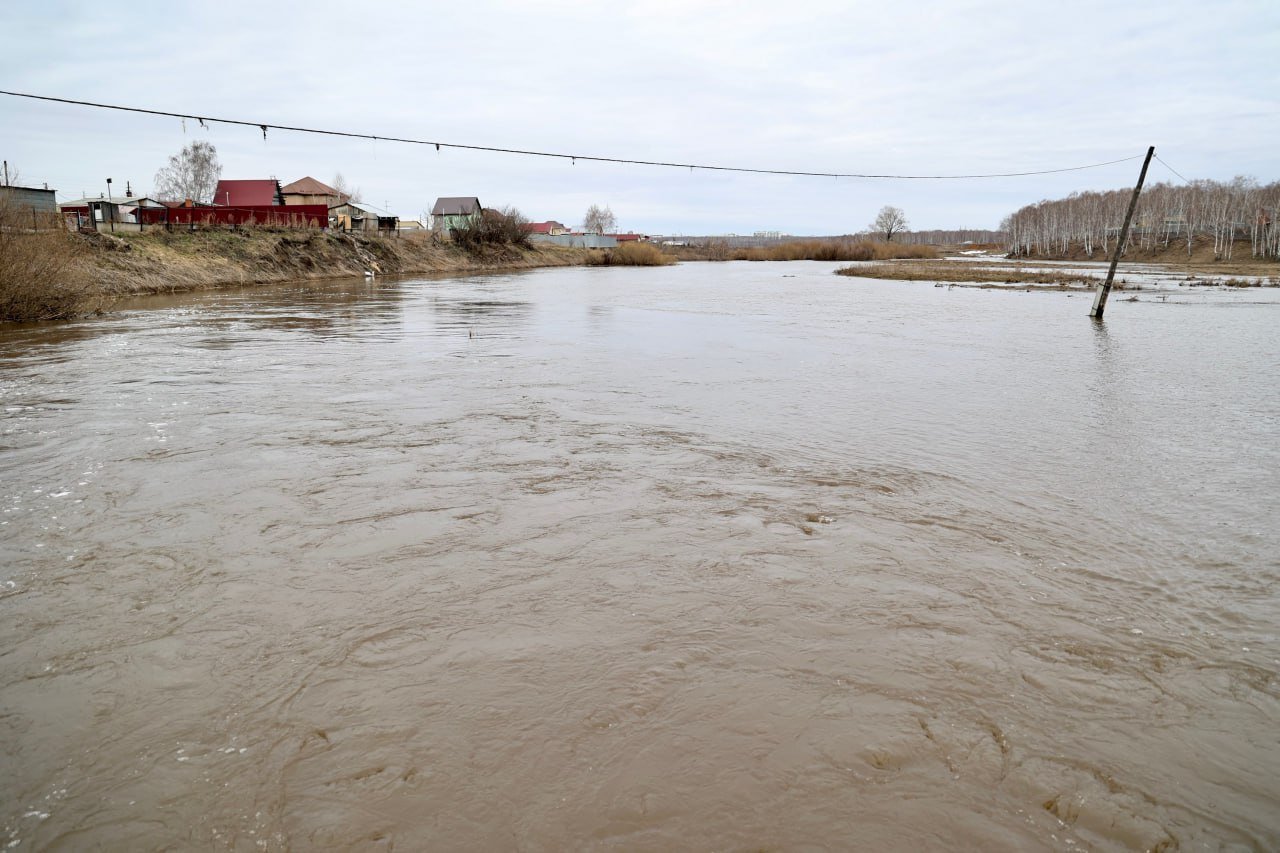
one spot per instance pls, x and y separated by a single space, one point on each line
1100 298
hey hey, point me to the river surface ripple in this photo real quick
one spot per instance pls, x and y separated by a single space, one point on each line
712 557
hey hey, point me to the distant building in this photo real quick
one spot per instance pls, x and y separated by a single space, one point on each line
106 211
453 212
629 237
310 191
361 216
550 227
26 199
263 192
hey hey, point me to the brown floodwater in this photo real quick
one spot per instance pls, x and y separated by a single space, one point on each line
712 557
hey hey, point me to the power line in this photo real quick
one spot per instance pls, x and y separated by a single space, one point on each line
265 126
1171 169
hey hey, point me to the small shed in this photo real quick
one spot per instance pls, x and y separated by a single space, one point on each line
362 216
104 211
453 212
28 199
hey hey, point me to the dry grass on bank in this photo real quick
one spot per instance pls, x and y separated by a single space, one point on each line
160 261
630 255
969 272
834 250
43 271
1260 281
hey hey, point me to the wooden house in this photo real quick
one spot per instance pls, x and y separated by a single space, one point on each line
453 212
310 191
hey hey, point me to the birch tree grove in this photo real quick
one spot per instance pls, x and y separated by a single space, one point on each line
947 236
1224 214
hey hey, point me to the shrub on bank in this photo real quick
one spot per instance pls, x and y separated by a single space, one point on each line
42 271
631 255
493 228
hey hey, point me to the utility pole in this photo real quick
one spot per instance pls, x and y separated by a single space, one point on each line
1100 298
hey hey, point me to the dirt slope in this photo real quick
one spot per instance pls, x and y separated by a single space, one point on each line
183 260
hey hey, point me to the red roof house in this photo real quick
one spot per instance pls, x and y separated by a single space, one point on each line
255 193
549 227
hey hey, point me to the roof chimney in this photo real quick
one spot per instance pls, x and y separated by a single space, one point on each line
128 190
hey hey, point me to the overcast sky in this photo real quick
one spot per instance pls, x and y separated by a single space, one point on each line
912 87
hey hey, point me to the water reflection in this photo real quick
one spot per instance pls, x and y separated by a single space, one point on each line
1109 377
504 318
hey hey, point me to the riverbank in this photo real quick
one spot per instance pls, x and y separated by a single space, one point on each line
165 262
95 269
955 272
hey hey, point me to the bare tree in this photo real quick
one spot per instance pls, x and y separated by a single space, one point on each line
345 191
889 221
598 220
12 178
192 173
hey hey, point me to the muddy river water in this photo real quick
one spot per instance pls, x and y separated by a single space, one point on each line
713 557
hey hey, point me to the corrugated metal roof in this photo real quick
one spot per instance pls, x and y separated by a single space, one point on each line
368 208
456 206
262 191
32 189
129 201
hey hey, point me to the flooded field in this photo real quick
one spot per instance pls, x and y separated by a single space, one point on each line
1141 282
711 557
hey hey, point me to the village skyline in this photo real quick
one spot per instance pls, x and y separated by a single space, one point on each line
828 87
